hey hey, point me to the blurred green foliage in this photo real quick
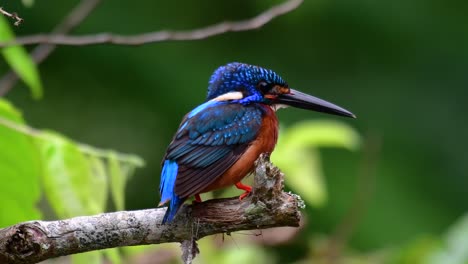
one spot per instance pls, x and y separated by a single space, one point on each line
454 248
18 59
19 170
74 178
399 65
297 155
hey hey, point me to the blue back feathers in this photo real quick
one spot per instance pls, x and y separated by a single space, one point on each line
240 77
211 138
221 123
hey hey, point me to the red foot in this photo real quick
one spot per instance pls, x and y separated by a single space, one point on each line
246 188
197 199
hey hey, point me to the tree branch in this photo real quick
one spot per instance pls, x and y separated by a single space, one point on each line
159 36
14 16
267 206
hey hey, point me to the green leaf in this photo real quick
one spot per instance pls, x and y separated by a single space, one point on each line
19 60
303 174
297 156
242 252
142 249
93 257
322 133
117 179
120 171
99 182
67 177
113 254
417 251
74 176
455 249
19 170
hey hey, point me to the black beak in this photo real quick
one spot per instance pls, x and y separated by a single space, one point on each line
305 101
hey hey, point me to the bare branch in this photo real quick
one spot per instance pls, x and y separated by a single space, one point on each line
18 20
48 42
267 206
159 36
41 52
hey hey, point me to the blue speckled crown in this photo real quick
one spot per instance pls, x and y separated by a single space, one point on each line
237 76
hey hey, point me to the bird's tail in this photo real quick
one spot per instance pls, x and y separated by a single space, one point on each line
166 188
172 210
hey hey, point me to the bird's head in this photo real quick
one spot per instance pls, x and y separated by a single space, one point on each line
245 84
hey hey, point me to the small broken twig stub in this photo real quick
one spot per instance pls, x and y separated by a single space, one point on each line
267 206
18 20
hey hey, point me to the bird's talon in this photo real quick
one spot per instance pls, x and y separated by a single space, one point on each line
242 196
246 188
197 199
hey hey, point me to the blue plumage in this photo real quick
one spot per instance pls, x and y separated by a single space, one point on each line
166 188
202 107
210 140
214 136
239 76
224 125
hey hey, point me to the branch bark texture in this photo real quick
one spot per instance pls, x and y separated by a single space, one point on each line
267 206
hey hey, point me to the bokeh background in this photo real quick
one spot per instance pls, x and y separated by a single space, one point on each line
400 66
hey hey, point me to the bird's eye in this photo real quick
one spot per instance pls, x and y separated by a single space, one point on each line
263 86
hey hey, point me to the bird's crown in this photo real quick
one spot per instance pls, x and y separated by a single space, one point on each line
241 77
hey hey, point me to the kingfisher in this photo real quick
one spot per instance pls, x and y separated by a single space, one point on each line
218 142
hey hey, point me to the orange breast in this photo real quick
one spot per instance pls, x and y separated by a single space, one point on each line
265 142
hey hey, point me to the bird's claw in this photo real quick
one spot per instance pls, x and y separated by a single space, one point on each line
242 196
246 188
197 199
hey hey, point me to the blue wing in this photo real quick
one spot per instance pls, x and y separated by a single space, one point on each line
209 141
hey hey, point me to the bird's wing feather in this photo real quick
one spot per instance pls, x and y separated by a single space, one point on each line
210 141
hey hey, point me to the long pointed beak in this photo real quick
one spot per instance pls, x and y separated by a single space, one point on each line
305 101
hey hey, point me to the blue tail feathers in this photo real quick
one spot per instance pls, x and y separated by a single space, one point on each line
166 188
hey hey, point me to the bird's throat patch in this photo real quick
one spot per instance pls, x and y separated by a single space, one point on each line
229 96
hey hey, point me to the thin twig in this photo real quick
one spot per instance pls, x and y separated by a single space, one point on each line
41 52
159 36
86 149
18 20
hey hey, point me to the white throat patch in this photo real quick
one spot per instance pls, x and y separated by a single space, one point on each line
229 96
277 107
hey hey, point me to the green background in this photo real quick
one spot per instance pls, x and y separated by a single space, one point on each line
400 66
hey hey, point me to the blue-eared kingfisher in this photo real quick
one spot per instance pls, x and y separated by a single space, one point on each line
218 142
